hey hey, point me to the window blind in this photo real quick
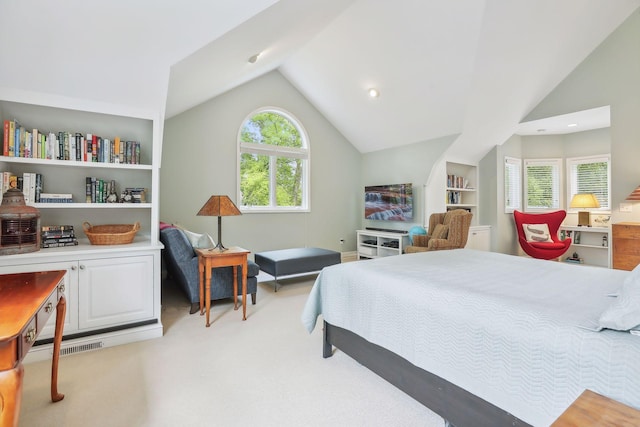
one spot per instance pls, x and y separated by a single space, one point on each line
542 184
512 184
590 175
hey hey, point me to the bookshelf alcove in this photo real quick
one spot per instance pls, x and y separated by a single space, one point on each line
112 291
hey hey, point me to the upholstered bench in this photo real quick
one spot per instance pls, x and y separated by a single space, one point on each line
285 262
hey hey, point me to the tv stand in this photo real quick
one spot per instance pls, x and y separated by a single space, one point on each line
380 243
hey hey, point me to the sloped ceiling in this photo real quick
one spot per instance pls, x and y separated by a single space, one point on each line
468 67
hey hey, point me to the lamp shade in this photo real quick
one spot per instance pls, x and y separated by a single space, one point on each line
584 200
635 195
219 206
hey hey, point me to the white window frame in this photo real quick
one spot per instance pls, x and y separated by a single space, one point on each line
273 152
513 194
556 189
572 185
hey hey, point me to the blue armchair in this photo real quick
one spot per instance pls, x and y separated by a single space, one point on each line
181 263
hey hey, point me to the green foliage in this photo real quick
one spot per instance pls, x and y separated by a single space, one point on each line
270 128
540 186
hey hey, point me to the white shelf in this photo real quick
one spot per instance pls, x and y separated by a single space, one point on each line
461 186
110 289
386 243
91 205
72 163
590 248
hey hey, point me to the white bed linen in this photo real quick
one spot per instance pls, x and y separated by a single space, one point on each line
505 328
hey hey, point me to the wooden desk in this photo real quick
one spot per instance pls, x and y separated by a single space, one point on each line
25 306
232 257
593 409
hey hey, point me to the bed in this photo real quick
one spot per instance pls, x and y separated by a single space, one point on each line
483 338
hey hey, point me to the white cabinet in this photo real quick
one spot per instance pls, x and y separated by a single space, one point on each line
113 291
112 297
479 238
461 189
590 243
375 244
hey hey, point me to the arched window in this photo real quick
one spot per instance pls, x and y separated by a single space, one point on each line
273 163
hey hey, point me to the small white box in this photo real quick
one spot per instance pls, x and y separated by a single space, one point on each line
366 250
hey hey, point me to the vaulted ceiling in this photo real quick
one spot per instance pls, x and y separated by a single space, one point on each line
443 67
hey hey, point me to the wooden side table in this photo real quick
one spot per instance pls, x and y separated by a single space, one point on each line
28 299
593 409
214 258
626 245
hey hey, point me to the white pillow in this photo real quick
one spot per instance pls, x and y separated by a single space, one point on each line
537 232
624 312
199 241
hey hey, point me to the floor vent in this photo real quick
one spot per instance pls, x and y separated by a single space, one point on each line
80 348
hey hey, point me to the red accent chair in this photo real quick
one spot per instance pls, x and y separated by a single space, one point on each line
542 250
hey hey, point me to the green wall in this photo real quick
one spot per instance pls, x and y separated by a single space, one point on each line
199 159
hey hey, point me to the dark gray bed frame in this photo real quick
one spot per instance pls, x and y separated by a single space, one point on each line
457 406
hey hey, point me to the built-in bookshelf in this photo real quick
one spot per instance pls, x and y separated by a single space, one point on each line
461 187
109 288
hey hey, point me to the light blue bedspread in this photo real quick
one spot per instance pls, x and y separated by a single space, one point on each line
505 328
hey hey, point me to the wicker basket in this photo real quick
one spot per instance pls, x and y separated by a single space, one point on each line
110 234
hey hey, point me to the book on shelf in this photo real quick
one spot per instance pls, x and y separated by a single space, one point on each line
54 236
59 244
67 145
56 229
56 198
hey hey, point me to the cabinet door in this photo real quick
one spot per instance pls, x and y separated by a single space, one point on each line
70 293
115 291
479 238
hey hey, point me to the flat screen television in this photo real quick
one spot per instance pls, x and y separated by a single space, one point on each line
392 202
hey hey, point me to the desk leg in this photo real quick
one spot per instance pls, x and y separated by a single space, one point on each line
207 293
61 310
10 395
201 284
244 288
235 287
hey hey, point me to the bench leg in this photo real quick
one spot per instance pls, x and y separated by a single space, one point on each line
275 283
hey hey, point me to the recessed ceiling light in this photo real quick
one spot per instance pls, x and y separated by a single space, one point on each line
572 125
254 58
541 130
373 92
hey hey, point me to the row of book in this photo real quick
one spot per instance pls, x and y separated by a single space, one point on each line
55 236
454 197
455 181
29 183
21 142
104 191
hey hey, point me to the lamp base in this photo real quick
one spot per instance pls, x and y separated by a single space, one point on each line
219 247
584 219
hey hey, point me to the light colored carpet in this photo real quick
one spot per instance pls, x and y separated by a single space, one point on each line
266 371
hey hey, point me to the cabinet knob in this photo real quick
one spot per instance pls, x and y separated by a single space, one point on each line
30 336
81 267
74 268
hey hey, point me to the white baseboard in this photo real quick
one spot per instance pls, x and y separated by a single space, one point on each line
95 342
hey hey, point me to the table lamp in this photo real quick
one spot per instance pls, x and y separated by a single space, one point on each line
219 206
584 201
635 195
